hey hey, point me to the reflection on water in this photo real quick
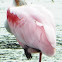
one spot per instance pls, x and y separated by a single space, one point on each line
11 51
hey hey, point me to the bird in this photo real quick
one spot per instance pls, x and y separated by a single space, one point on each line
34 28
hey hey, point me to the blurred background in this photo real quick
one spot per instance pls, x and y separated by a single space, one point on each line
11 51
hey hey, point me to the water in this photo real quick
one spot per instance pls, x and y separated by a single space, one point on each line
11 51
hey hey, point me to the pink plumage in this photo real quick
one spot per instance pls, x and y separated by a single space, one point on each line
33 25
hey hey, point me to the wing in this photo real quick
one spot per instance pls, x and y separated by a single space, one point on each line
33 27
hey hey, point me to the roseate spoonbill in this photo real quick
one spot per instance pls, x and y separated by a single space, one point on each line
34 29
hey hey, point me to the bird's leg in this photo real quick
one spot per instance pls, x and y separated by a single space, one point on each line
28 55
40 56
32 50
